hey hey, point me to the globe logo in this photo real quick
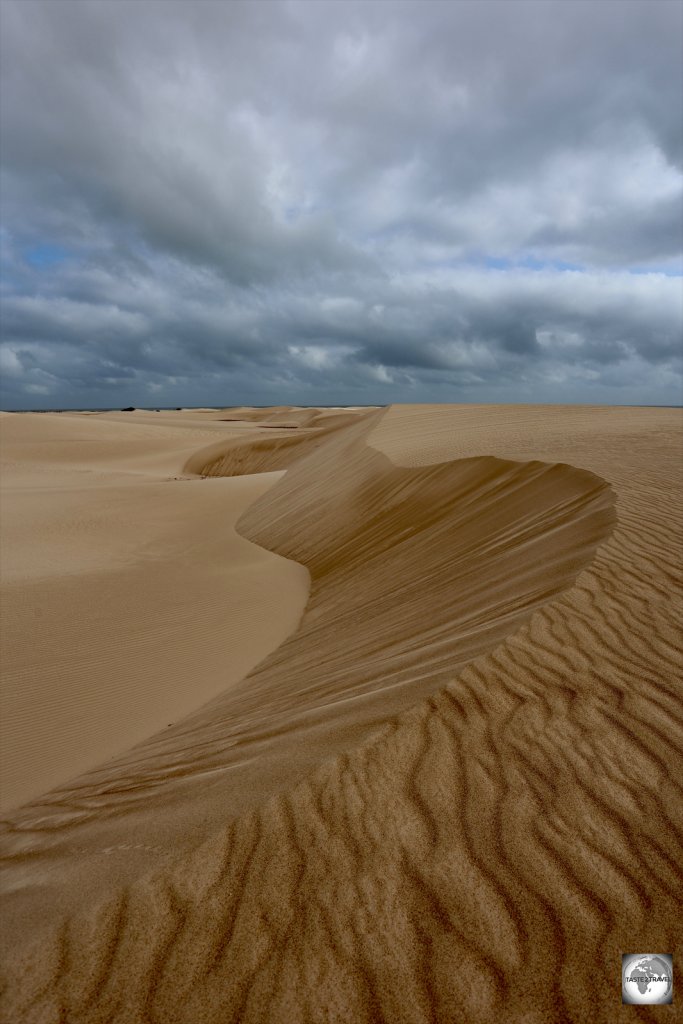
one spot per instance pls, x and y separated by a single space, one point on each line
647 978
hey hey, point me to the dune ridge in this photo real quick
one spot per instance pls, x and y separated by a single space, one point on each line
489 834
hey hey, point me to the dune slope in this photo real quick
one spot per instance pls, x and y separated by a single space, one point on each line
316 844
127 597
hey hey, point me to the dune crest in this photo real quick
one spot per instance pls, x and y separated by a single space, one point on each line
416 573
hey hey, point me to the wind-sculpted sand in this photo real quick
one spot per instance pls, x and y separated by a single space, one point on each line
451 794
128 598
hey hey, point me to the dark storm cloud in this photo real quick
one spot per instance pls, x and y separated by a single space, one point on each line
228 202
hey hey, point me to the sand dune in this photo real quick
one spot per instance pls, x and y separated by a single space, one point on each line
433 800
123 606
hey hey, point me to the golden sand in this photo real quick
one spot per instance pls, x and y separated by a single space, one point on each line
425 796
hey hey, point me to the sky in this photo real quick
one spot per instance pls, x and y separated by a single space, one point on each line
322 203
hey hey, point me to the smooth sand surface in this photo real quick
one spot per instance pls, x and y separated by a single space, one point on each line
452 789
127 597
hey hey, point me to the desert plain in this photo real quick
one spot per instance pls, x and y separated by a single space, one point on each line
339 715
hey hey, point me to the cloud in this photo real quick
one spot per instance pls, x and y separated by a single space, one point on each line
353 202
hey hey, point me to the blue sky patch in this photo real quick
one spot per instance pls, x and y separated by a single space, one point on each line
46 254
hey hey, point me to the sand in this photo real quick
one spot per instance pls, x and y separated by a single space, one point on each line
128 599
423 760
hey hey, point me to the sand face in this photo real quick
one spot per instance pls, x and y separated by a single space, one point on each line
430 789
128 599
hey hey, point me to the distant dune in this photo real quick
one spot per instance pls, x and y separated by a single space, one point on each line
340 715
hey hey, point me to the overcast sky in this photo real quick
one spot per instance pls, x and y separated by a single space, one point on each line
341 203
